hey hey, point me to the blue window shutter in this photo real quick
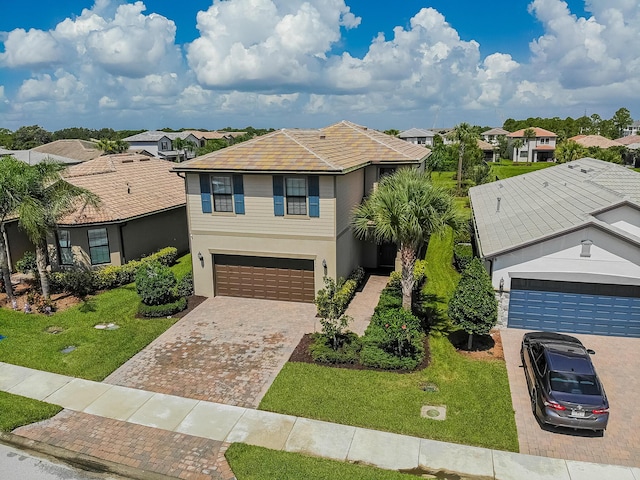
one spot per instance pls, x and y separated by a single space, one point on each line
238 194
278 196
314 196
205 193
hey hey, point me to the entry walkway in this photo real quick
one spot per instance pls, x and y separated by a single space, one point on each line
226 423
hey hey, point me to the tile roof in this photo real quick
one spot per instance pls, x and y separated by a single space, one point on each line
416 132
214 135
129 186
155 135
32 157
484 145
540 132
540 204
496 131
81 150
628 140
337 148
595 141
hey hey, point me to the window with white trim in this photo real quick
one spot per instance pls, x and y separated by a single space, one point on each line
222 190
98 246
296 195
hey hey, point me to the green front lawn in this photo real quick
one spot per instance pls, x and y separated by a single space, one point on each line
16 411
507 168
256 463
98 352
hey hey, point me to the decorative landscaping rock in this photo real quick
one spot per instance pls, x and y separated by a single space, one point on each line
54 330
68 349
434 412
107 326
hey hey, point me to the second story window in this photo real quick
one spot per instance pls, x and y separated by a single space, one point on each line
164 146
296 193
222 193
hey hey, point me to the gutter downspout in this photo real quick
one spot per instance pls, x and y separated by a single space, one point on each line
123 258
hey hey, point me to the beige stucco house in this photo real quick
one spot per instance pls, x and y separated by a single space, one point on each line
268 218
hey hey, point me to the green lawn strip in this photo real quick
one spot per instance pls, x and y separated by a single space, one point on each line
182 266
442 278
506 169
16 411
257 463
98 352
476 394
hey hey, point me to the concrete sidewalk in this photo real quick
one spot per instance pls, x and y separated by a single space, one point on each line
283 432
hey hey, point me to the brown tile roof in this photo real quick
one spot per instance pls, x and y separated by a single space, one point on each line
484 145
214 135
628 140
80 150
595 141
540 132
128 185
336 148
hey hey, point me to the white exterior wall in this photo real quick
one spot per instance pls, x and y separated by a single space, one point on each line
612 259
151 147
625 218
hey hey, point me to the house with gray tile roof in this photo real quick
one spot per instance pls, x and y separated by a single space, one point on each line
563 244
418 136
162 144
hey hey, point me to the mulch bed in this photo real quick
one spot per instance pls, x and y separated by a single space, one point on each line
301 354
484 347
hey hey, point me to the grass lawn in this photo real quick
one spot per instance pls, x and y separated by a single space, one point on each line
257 463
16 411
507 168
98 352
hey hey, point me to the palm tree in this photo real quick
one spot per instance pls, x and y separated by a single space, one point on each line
405 209
184 145
517 145
46 198
569 150
529 134
464 135
109 146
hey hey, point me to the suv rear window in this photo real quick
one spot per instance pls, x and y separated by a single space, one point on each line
573 383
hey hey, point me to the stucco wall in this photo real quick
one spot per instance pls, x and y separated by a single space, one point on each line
148 234
18 243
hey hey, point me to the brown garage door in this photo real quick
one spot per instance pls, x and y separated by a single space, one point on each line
289 279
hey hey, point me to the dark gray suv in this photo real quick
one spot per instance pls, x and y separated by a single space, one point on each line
564 388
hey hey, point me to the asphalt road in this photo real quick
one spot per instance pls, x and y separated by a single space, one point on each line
18 465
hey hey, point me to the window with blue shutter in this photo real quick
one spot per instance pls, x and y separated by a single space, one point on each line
205 193
314 196
278 196
238 194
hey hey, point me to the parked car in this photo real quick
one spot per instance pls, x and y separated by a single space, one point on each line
563 385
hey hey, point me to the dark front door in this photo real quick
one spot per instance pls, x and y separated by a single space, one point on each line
387 253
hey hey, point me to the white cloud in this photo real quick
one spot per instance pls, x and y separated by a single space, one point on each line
31 49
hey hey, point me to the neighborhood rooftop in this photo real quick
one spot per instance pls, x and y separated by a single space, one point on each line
522 209
539 132
595 141
129 186
337 148
416 132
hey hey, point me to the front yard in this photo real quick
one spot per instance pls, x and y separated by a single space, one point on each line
475 392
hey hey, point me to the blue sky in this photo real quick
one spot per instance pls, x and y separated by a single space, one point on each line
297 63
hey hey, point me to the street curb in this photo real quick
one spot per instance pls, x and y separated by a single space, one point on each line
80 460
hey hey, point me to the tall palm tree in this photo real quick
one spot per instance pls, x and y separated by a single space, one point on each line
529 134
109 146
45 199
517 145
463 134
405 209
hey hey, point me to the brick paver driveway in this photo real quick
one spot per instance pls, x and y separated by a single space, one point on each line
617 361
227 350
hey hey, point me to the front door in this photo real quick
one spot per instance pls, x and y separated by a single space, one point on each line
387 253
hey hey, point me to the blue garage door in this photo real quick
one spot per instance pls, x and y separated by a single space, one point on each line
575 307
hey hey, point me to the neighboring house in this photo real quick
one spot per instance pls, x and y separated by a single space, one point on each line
489 151
595 141
418 136
270 217
80 150
32 157
563 243
633 129
629 140
539 149
161 144
492 136
142 210
204 136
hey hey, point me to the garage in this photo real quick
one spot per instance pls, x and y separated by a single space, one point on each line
575 307
288 279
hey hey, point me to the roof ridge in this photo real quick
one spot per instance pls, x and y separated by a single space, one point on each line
366 132
286 132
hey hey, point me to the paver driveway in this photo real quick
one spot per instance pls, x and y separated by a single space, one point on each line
227 350
617 361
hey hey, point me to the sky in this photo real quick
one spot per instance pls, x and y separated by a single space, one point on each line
308 63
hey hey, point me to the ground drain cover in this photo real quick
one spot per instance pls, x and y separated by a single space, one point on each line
430 387
107 326
68 349
434 412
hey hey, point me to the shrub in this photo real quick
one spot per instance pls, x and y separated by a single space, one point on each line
56 281
40 304
372 355
107 277
27 264
474 306
419 276
166 256
155 283
184 288
390 298
322 350
331 304
464 234
164 310
462 255
394 330
357 275
79 282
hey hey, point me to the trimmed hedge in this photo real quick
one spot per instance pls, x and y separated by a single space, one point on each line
168 309
462 255
349 352
372 355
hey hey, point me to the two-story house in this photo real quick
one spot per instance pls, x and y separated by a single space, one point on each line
162 144
493 135
418 136
633 129
540 148
270 217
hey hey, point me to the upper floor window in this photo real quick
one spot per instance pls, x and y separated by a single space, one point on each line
99 246
296 195
64 247
222 193
164 145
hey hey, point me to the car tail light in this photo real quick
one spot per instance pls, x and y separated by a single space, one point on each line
554 405
600 411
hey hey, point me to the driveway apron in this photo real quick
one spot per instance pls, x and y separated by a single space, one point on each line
617 363
228 350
